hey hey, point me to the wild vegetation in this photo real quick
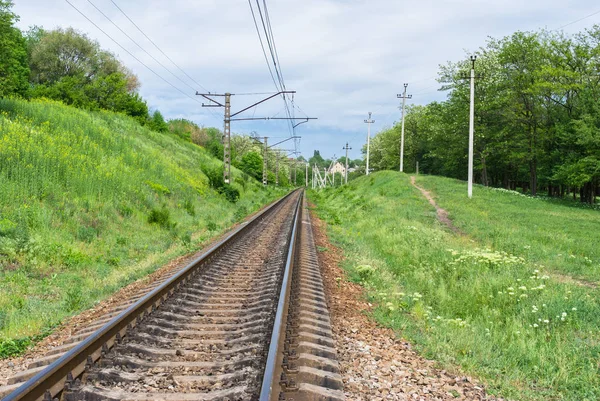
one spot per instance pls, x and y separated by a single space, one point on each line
537 118
513 300
90 201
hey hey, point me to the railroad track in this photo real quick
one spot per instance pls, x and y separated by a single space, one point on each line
247 320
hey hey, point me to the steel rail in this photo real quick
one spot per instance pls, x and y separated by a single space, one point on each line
52 380
270 379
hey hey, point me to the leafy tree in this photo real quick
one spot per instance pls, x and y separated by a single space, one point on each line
252 164
14 70
67 65
157 122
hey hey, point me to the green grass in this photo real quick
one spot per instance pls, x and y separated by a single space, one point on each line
563 236
486 302
89 202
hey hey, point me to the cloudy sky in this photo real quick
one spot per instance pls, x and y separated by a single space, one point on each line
343 57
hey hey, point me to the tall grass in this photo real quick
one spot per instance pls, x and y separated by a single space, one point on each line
468 302
89 201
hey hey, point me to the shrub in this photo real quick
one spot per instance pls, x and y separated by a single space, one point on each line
230 193
215 177
161 216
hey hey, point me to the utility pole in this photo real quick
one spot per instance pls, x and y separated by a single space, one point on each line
346 171
277 169
265 162
404 96
227 139
471 127
228 118
295 173
368 121
306 176
417 168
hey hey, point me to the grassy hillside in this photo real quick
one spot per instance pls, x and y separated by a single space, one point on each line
564 236
489 301
90 202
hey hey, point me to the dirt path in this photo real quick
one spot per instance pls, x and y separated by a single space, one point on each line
375 363
442 214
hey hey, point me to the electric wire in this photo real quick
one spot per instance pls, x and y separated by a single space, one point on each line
274 55
131 54
158 48
140 47
128 52
279 82
261 43
580 19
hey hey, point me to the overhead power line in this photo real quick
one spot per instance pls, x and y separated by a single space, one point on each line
140 47
158 48
274 65
580 19
131 54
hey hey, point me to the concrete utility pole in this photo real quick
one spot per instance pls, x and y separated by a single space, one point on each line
306 176
265 162
295 173
404 96
227 139
471 127
368 121
276 169
346 171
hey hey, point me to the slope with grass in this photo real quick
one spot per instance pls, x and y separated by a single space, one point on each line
90 201
490 300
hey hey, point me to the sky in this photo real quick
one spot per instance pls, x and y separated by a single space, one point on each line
344 58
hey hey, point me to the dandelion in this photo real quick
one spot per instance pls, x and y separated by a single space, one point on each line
546 321
535 325
523 288
573 309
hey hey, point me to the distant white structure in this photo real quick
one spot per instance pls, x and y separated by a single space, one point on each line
337 168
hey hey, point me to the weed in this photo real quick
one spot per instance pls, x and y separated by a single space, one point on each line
189 207
230 193
74 299
161 216
158 188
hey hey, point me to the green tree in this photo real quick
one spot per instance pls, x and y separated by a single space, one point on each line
67 65
14 71
157 122
252 164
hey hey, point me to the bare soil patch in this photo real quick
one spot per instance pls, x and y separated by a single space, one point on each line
442 214
375 363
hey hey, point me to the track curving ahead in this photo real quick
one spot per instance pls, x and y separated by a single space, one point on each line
226 327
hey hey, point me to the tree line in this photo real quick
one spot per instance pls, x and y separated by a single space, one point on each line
537 118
